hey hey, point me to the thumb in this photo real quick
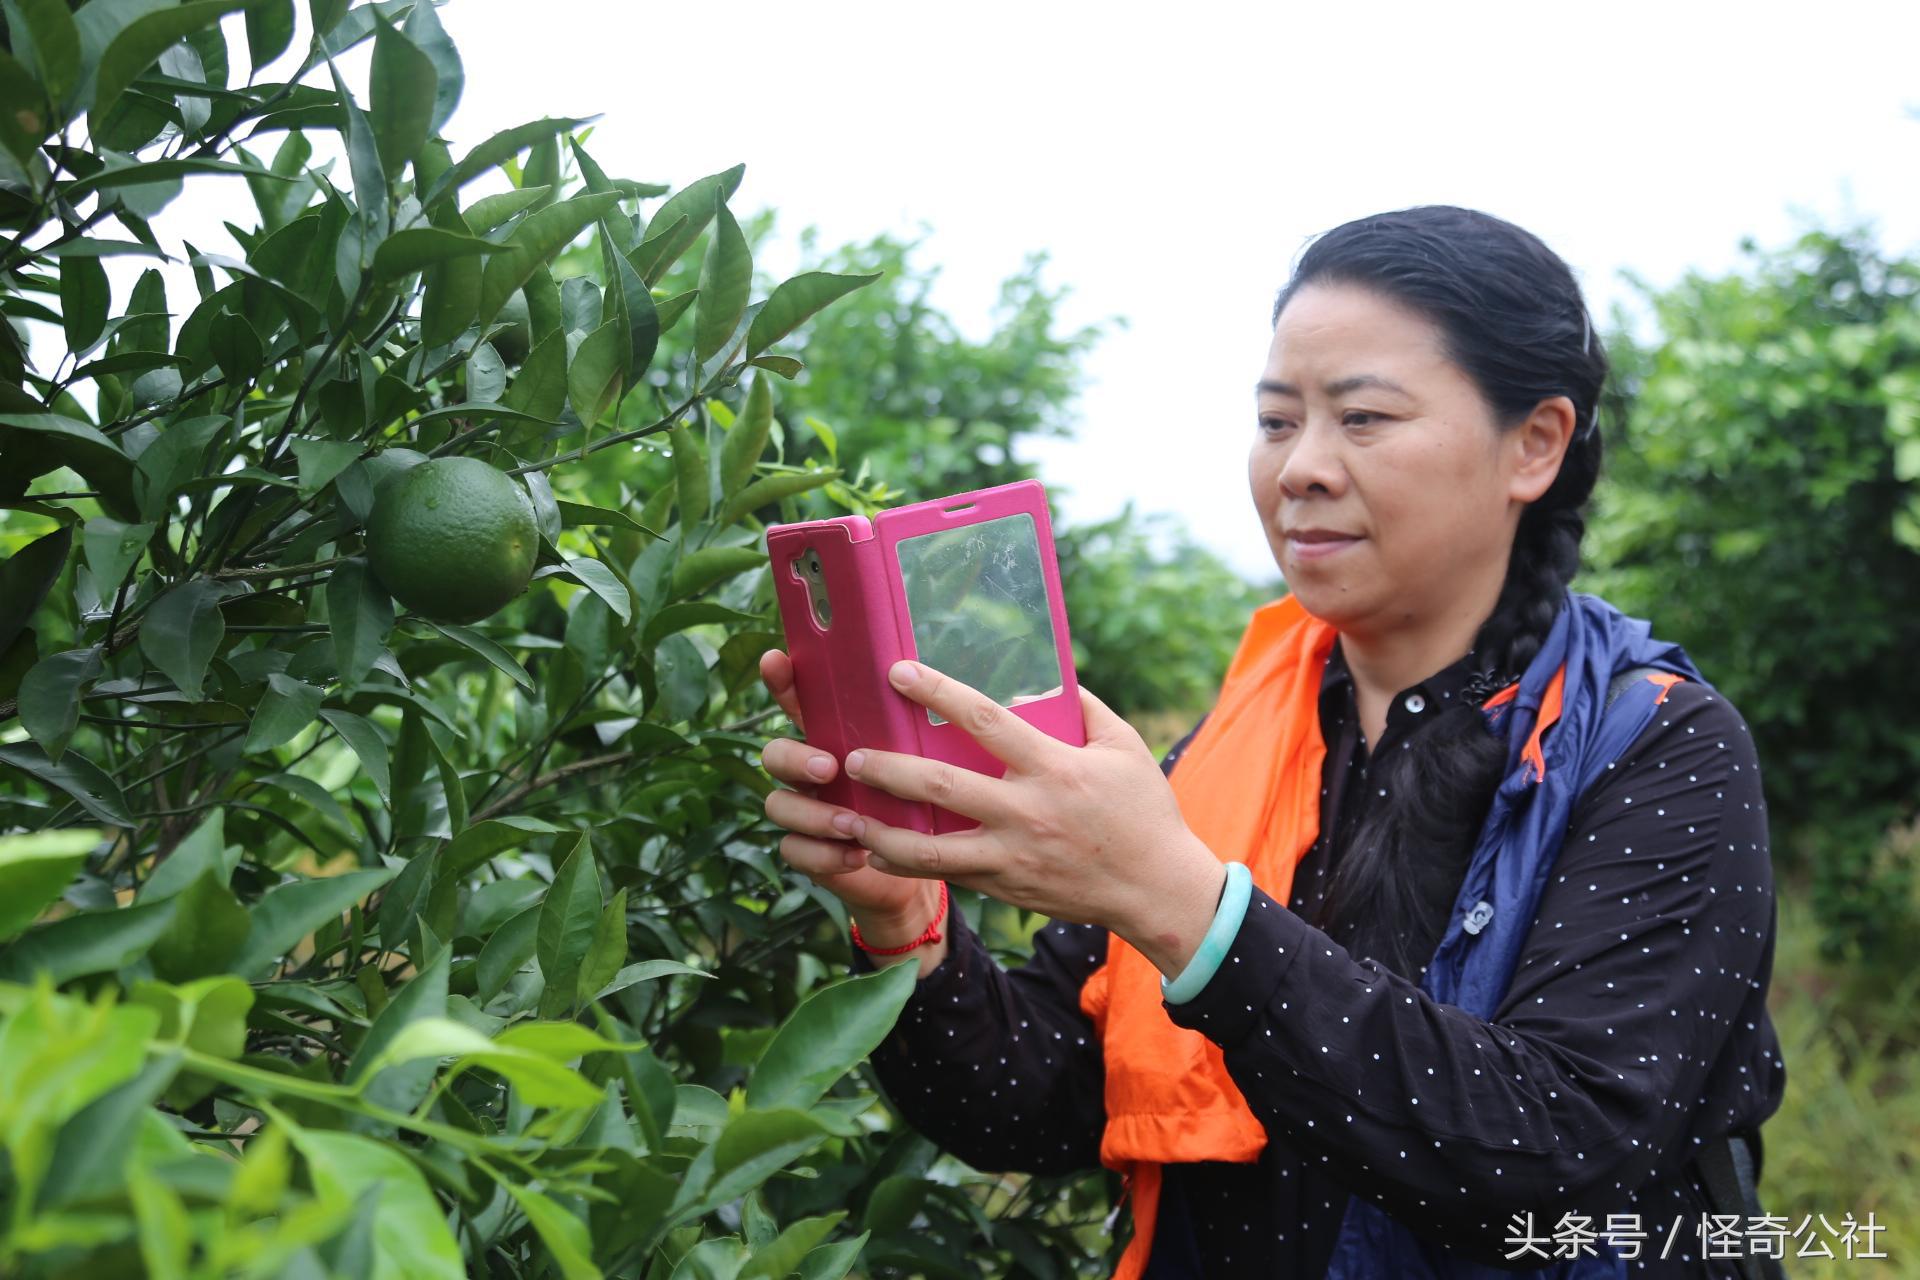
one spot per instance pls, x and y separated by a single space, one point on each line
1103 724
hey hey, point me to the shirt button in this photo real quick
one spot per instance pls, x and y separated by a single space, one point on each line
1415 703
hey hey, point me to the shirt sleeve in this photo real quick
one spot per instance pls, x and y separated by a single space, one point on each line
1001 1066
1650 935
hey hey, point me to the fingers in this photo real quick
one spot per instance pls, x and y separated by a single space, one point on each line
809 816
814 857
797 764
1006 736
776 672
900 851
972 795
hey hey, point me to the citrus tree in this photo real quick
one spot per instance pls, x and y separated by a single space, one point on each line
384 887
1763 507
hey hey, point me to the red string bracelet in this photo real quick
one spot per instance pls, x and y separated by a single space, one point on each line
931 934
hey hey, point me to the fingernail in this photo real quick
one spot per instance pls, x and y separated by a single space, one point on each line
820 766
856 761
847 824
904 673
877 862
853 858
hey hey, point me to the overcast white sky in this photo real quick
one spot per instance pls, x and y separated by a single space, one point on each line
1174 159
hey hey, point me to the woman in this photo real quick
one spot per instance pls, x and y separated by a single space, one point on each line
1442 943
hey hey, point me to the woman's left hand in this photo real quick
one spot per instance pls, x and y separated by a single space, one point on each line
1090 835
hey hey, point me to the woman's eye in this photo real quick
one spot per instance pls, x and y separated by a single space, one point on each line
1361 414
1274 426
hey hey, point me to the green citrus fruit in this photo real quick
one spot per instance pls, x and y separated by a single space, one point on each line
452 539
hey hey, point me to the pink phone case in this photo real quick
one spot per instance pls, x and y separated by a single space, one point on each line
840 671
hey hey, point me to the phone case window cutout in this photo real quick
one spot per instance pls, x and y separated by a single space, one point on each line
977 602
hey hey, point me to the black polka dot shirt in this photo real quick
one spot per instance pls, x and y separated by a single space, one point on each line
1635 1030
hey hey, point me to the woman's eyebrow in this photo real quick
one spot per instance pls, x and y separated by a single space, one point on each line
1339 387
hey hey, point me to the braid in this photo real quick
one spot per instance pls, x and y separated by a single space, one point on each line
1546 555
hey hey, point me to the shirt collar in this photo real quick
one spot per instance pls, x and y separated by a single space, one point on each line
1438 692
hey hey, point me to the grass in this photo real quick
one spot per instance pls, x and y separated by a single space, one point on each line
1847 1136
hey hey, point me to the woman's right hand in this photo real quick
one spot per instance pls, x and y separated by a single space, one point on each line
890 910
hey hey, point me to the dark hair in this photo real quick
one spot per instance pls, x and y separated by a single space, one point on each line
1512 317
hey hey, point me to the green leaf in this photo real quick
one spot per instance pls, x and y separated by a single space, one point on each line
36 868
93 942
386 1074
600 580
598 372
796 300
568 915
171 461
417 248
725 279
679 221
411 1237
701 569
540 1081
770 489
782 1257
534 243
26 577
671 309
424 29
269 31
575 514
236 349
287 707
79 777
757 1144
506 953
833 1261
690 613
182 632
84 300
370 190
321 460
682 673
690 476
289 912
402 107
365 741
49 697
58 425
647 971
606 952
564 1235
141 42
210 928
495 151
55 41
788 368
746 440
483 841
359 617
497 657
833 1029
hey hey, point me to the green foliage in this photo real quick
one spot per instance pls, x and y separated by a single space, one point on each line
341 941
1763 505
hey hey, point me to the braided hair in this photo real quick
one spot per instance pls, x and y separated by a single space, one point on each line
1511 316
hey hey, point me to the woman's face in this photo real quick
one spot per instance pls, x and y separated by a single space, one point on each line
1386 491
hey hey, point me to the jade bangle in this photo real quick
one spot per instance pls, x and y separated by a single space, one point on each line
1220 935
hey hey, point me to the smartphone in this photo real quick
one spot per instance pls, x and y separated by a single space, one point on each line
966 584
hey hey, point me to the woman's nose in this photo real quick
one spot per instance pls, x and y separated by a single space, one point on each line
1313 463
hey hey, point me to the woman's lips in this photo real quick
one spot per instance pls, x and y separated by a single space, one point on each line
1318 548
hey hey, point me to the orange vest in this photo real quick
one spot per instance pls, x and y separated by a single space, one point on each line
1249 787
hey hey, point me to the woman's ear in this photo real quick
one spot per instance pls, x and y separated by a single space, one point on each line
1538 446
